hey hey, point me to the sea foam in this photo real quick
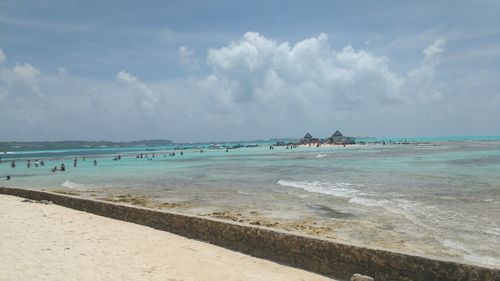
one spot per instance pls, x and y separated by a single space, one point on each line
72 185
470 255
339 189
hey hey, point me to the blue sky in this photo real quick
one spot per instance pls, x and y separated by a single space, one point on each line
232 70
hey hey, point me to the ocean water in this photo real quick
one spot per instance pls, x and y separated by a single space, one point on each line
436 197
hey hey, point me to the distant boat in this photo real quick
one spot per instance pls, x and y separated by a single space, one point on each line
215 146
252 145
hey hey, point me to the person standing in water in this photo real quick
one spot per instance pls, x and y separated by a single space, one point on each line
13 164
29 163
74 162
95 162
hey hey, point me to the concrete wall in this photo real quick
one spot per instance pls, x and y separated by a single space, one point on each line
313 254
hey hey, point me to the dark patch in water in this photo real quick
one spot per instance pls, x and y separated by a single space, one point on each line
329 212
18 175
494 159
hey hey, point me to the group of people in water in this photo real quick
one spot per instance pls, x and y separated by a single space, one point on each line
62 167
41 163
28 163
152 155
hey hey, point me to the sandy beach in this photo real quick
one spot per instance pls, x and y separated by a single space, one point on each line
49 242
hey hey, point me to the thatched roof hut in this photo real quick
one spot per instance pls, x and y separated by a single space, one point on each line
337 134
338 138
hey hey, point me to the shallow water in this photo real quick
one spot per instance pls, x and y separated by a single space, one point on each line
434 198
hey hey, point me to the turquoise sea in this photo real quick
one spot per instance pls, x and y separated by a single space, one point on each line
432 196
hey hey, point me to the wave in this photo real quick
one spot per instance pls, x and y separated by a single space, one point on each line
368 202
440 224
404 207
246 193
321 156
482 259
339 189
470 255
410 210
72 185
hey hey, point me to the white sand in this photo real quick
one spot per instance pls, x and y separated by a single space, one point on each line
50 242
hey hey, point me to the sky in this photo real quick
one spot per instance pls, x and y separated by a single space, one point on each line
194 71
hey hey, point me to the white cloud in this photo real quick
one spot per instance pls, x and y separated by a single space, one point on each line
420 81
434 49
61 71
21 79
147 98
256 68
2 56
130 79
25 72
187 58
255 87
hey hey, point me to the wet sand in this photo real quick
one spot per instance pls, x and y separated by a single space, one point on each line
49 242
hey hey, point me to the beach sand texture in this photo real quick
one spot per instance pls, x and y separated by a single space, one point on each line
50 242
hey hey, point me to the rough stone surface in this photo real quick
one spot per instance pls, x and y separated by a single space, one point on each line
359 277
309 253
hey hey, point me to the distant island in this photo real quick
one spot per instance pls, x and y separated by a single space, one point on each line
50 145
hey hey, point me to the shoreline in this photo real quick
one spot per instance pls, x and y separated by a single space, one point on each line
333 226
336 226
49 242
353 259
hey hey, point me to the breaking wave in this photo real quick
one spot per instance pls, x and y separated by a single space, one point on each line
339 189
470 255
72 185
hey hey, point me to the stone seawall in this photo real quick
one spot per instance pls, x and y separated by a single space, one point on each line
314 254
